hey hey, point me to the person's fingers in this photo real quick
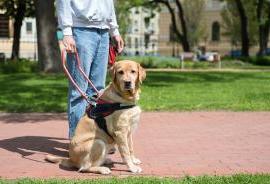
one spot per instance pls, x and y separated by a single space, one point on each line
72 46
69 44
68 48
121 46
66 45
118 46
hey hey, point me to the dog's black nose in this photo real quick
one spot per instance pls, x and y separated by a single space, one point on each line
127 84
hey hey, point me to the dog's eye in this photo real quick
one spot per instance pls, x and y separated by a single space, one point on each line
133 71
121 72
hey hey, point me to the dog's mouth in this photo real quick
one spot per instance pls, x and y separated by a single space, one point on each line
128 86
128 89
130 93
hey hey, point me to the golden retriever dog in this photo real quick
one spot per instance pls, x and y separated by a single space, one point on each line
90 145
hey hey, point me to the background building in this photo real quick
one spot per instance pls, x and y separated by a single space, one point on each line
142 35
28 45
214 41
146 34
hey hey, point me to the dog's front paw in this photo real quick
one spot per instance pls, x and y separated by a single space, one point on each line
136 161
135 169
74 142
104 170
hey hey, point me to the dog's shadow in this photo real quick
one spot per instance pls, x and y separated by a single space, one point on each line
29 145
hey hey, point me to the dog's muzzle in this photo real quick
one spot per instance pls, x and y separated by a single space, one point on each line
127 85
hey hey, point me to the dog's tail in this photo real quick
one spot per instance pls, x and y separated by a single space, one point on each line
65 162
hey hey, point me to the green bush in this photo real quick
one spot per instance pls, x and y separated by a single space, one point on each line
260 60
26 66
18 66
255 60
170 62
154 61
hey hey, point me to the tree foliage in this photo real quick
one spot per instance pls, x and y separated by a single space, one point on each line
122 8
176 11
258 22
232 22
196 27
11 7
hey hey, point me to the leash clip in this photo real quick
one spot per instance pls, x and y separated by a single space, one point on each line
93 100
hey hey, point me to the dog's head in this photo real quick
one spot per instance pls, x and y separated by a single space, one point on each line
127 77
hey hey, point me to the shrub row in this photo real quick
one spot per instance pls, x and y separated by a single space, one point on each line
18 66
260 60
25 66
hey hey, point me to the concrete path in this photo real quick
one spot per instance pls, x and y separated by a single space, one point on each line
169 144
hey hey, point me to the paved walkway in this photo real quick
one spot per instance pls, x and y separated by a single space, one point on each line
169 144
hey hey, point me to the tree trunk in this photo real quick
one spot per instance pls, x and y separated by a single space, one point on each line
184 40
244 28
48 49
262 36
267 28
18 19
266 35
181 36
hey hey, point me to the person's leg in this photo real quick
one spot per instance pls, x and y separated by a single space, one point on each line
86 44
99 65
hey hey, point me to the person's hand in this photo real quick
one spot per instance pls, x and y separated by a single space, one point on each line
119 43
69 43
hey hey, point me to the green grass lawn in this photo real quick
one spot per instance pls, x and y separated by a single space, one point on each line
235 179
166 91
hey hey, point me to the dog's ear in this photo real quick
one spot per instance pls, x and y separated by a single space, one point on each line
112 72
141 73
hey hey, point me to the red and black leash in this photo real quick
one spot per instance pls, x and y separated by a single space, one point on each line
112 58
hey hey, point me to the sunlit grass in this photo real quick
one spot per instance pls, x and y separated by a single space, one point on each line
162 91
235 179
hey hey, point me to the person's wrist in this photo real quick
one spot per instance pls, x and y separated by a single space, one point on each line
67 31
114 32
115 37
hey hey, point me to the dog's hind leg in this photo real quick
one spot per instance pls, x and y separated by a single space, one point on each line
65 162
95 158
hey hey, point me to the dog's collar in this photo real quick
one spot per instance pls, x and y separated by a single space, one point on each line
103 109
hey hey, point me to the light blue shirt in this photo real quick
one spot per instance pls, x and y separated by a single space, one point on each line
86 13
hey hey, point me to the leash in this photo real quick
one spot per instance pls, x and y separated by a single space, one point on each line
78 63
111 61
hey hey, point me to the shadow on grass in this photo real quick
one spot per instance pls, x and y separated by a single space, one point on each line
29 145
33 93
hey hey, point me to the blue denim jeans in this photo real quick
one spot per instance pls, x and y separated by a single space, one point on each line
93 48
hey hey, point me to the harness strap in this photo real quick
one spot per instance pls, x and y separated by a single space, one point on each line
100 111
101 123
103 110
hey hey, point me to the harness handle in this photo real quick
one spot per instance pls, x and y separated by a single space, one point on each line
64 61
